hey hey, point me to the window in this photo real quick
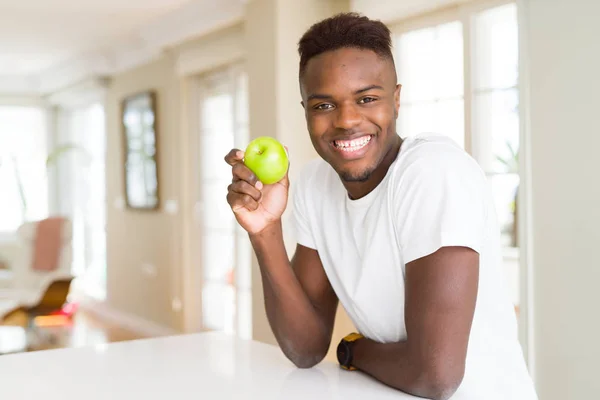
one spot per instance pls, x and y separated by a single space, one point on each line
442 83
496 120
495 104
430 67
81 153
226 252
23 174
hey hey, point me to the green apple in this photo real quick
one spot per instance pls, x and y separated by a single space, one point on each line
267 159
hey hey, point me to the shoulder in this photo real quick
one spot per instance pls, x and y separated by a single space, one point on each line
309 189
313 174
435 157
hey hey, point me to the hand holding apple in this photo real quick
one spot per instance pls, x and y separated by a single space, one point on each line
257 204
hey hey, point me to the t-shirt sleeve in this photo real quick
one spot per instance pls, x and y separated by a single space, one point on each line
440 202
303 231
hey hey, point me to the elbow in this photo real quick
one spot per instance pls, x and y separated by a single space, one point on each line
443 391
441 382
306 362
301 352
304 359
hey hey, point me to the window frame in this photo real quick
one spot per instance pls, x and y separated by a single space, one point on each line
64 115
195 229
62 105
464 14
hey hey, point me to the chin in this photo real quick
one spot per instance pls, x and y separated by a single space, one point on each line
355 176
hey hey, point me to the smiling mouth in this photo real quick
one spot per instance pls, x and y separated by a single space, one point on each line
350 146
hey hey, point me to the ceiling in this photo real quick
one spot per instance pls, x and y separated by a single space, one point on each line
38 34
47 44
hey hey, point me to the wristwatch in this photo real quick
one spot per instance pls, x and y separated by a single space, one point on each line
344 350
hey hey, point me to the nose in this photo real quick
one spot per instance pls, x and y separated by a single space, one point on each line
348 116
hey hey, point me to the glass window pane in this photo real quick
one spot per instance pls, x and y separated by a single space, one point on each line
227 256
218 257
496 47
430 63
504 188
496 130
216 213
81 169
212 165
217 114
11 206
431 70
450 120
23 150
445 117
416 64
450 62
417 118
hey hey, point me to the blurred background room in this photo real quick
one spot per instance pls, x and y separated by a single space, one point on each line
115 117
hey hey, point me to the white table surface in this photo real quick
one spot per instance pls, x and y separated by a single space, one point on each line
198 367
13 339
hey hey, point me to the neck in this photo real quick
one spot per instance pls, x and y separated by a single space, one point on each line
356 190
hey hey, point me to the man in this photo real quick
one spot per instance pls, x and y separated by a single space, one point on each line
402 232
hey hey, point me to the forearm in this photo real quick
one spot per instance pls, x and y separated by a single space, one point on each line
403 368
294 321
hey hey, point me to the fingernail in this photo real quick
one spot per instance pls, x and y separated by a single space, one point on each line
259 185
240 154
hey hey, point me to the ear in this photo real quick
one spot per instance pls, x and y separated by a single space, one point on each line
397 100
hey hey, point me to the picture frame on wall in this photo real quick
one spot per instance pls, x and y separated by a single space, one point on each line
140 151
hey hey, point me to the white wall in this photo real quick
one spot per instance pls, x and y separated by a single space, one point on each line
564 67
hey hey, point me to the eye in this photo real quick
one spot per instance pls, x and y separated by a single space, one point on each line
367 99
323 106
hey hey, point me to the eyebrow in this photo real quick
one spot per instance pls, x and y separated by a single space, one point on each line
318 96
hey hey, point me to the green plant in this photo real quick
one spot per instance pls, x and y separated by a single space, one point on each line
511 165
59 151
511 161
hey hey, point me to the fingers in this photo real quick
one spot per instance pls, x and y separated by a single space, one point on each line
243 187
239 171
244 191
243 173
234 156
238 201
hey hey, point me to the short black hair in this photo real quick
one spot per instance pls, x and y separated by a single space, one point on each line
346 30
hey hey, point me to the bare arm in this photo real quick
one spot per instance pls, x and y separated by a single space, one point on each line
299 300
441 291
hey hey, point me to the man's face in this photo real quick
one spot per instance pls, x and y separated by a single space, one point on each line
351 102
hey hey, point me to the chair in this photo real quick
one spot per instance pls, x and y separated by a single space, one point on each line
53 300
28 284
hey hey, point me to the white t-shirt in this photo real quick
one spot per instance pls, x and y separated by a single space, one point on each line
433 195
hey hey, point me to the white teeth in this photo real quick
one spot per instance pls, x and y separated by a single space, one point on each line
352 145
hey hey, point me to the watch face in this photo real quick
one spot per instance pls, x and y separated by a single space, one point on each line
343 353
